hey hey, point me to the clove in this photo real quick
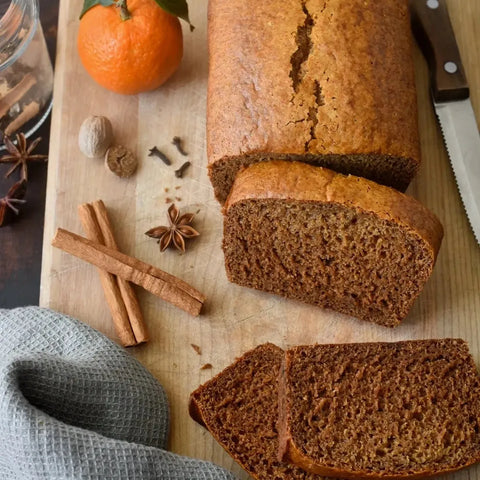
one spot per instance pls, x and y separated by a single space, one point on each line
179 173
177 141
155 152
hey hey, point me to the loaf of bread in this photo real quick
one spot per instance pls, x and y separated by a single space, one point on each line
328 82
340 242
380 410
240 409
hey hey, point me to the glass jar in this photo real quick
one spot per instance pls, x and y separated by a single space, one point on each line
26 74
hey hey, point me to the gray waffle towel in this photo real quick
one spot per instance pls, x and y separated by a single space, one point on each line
73 405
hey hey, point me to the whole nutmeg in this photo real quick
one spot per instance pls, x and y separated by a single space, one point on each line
95 136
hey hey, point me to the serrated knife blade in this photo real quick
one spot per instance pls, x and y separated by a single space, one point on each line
434 33
460 132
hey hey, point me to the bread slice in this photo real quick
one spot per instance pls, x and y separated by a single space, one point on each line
330 83
240 409
340 242
381 410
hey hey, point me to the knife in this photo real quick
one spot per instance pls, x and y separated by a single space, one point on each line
450 94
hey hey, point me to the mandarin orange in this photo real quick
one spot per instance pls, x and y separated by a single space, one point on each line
134 55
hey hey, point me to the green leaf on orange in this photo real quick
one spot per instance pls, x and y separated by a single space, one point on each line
179 8
88 4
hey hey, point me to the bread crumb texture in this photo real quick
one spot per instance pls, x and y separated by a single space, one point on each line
384 409
240 409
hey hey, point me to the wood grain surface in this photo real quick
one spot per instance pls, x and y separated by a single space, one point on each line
235 319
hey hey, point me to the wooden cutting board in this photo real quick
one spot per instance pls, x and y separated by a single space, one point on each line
235 319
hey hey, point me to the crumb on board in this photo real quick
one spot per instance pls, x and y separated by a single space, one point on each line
196 348
166 189
178 187
178 199
168 200
207 366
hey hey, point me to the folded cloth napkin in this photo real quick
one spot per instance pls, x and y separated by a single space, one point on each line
73 405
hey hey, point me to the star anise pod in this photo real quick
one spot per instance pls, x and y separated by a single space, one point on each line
11 200
20 154
177 230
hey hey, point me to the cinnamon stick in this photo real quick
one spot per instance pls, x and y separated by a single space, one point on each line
109 283
96 214
29 111
156 281
16 93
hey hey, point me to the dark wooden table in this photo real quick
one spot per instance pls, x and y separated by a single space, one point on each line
21 242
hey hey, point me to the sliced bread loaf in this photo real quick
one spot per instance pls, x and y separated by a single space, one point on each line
240 409
330 83
380 410
340 242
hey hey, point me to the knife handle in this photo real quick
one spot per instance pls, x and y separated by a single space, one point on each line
434 34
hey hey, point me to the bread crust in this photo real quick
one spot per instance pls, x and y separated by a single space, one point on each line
352 91
296 457
298 181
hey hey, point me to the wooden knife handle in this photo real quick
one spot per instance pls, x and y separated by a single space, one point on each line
435 37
